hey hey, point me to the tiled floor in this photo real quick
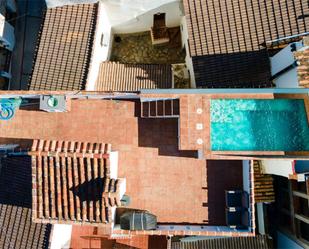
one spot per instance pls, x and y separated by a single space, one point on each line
195 122
170 183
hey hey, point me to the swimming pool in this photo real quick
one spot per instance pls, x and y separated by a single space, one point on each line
259 125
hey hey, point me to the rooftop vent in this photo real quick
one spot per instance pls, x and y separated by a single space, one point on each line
138 220
54 103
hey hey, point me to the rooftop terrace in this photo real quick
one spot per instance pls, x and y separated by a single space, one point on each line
159 176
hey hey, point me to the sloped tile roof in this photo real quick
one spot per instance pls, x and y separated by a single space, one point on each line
258 242
71 182
230 28
64 48
17 229
223 27
115 76
302 57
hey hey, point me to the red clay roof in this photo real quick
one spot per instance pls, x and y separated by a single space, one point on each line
257 242
224 27
225 38
302 57
64 49
71 182
115 76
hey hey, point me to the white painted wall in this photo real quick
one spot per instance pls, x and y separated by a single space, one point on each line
288 80
280 61
100 52
113 160
122 187
188 59
57 3
61 237
278 167
137 21
7 33
125 16
128 16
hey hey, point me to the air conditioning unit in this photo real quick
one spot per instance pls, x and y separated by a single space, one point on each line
54 103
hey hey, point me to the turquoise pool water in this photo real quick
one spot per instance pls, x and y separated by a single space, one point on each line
259 125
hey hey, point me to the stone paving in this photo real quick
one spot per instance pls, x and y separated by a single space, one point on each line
137 48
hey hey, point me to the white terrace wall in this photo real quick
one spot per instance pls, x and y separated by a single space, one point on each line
102 46
130 16
184 38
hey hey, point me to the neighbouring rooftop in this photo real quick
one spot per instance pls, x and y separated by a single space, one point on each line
115 76
256 242
64 48
226 38
17 228
302 56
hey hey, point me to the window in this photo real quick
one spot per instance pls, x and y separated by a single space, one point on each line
159 20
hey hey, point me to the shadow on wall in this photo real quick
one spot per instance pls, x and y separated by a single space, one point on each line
90 190
16 181
236 70
221 175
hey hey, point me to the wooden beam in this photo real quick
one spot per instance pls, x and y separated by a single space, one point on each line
302 218
301 194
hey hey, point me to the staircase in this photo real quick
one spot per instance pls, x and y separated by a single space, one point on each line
160 108
263 184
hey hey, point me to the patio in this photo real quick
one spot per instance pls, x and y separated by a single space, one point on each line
172 184
137 48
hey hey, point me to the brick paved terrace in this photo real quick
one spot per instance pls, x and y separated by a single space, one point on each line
172 184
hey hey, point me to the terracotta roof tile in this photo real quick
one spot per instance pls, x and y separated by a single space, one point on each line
64 48
231 28
115 76
302 57
220 27
71 182
257 242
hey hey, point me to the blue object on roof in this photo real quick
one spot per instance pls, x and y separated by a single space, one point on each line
8 106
